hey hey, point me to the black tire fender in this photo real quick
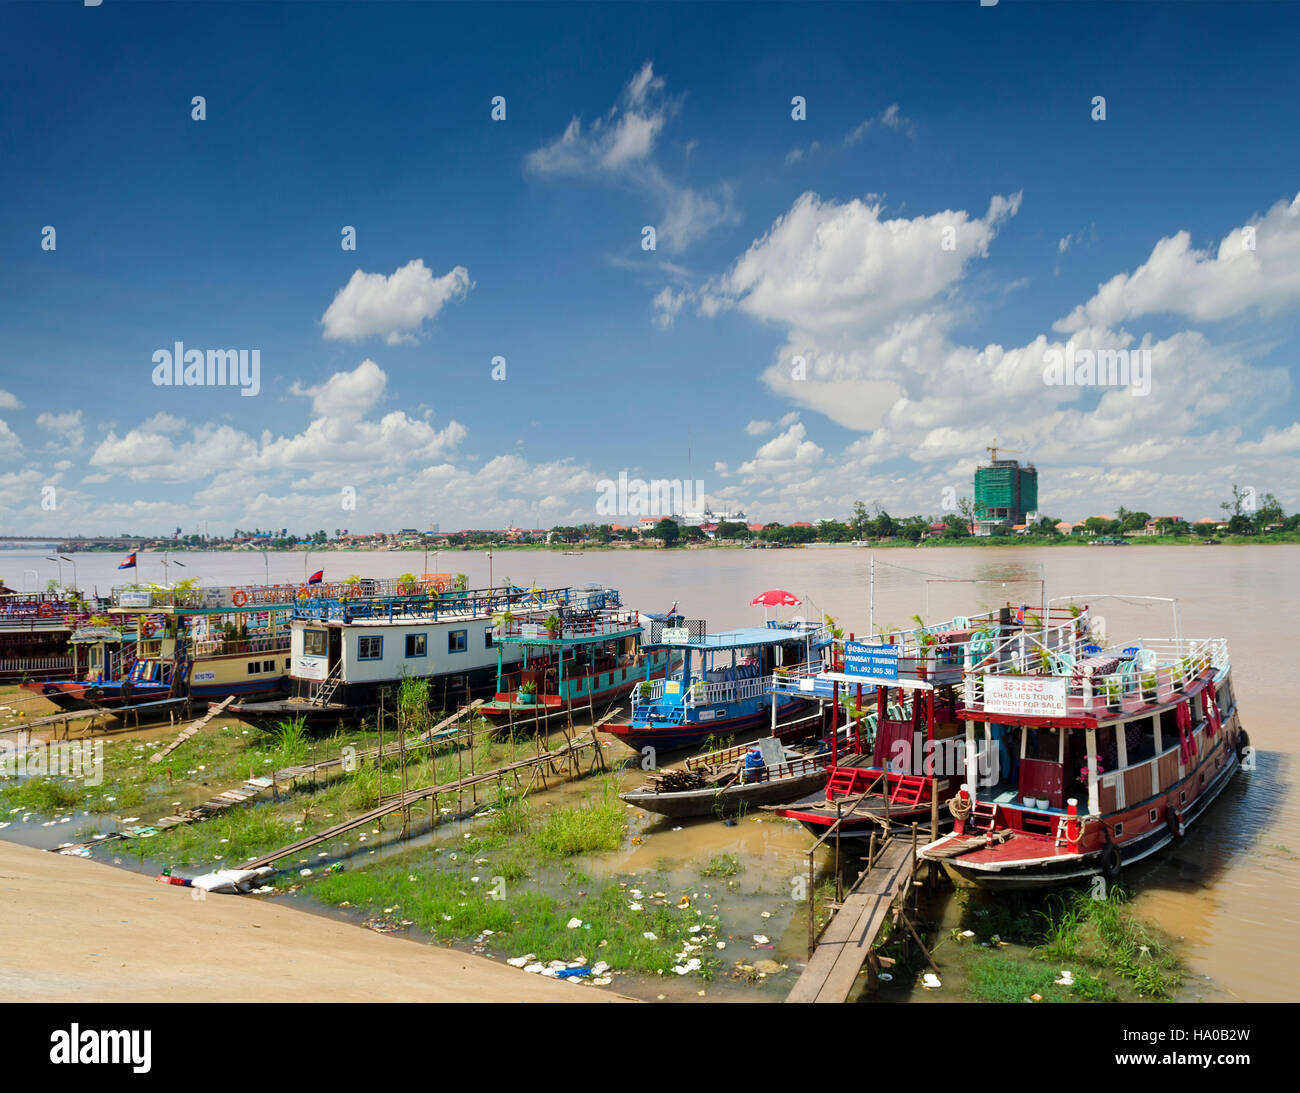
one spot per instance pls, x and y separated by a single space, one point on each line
1111 862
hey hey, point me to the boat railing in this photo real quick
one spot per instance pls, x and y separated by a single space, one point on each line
596 626
37 664
217 647
702 693
645 693
1143 672
470 604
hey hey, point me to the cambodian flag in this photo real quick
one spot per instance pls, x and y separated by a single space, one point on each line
316 577
128 562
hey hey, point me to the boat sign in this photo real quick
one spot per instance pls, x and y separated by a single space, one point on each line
135 599
871 661
675 635
1034 696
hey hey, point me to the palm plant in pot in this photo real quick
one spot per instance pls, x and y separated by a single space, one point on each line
528 693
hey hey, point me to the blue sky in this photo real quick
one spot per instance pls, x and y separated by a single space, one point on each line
821 238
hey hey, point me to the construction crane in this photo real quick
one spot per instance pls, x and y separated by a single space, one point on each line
993 450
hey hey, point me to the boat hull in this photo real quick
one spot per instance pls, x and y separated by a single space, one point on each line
724 802
677 736
1060 869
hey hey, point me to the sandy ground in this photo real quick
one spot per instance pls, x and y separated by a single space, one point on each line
78 930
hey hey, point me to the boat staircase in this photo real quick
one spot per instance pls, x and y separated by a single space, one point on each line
179 684
983 816
662 713
325 692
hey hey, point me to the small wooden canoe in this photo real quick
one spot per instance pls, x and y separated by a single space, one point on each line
721 783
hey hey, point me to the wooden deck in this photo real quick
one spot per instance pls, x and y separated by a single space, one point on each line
852 932
853 929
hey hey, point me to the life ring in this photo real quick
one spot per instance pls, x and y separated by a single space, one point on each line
1111 862
440 586
355 592
149 628
239 598
45 610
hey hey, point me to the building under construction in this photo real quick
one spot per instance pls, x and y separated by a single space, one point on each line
1006 493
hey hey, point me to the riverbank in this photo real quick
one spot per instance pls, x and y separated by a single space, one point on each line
86 931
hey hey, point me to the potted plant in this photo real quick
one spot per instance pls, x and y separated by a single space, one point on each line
501 623
462 582
1148 681
644 688
528 693
552 625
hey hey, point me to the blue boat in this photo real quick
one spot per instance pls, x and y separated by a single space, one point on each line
723 684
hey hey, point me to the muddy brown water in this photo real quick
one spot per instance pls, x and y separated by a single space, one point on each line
1229 890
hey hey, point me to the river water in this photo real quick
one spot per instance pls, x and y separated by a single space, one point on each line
1230 890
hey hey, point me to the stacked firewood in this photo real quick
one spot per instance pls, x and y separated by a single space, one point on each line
675 781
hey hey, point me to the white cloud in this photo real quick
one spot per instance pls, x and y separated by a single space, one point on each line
66 427
621 145
1202 285
10 446
347 394
788 452
395 306
9 402
825 266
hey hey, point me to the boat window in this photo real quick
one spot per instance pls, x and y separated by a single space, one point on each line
1223 696
253 668
1140 736
314 642
487 637
370 648
457 641
1043 744
415 645
1119 830
1169 726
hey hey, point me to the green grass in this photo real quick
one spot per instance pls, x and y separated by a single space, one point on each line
1111 952
444 902
594 826
722 865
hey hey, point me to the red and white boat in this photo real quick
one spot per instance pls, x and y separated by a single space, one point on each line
1086 758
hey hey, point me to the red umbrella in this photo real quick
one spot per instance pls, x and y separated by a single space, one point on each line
776 597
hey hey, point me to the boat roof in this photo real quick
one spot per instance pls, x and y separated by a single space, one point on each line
745 637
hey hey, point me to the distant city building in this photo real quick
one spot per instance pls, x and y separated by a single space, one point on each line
708 516
1006 494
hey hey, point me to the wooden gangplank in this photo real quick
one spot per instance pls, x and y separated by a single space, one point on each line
405 800
254 787
189 731
852 932
91 714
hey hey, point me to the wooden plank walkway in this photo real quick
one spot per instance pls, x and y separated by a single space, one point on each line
413 796
96 712
254 787
186 733
852 932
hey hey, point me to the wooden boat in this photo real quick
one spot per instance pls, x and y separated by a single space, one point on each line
728 781
35 631
1115 753
583 652
346 650
723 686
907 758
